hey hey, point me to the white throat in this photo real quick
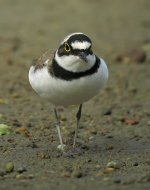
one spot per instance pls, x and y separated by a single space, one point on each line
74 63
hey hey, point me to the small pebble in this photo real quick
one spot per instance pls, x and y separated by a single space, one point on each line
87 115
16 123
63 118
135 164
113 164
3 173
98 166
109 136
21 169
107 112
43 155
93 131
99 174
131 121
10 140
30 176
66 174
77 174
109 147
34 145
9 167
91 138
89 160
117 181
108 170
85 147
24 131
20 176
106 178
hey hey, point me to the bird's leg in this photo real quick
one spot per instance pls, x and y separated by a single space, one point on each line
61 146
78 116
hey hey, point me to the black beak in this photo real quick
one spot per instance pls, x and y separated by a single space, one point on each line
82 56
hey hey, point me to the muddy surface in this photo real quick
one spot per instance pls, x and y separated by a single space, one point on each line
113 151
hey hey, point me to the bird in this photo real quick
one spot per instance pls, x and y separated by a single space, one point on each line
72 75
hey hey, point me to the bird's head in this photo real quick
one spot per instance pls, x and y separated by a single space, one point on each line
75 53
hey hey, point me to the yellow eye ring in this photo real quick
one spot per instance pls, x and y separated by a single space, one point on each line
67 47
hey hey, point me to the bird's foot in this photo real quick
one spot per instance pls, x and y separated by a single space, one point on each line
61 147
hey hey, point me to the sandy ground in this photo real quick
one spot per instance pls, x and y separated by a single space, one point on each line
115 125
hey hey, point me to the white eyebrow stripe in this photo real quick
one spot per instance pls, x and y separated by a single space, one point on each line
80 45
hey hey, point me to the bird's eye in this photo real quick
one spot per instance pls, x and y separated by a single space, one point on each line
67 47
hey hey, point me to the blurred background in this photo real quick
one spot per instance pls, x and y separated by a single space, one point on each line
119 31
115 124
39 25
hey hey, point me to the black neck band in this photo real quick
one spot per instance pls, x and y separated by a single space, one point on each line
61 73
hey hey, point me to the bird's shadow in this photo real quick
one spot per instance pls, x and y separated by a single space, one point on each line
108 144
100 145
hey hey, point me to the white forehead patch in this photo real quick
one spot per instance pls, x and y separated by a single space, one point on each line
80 45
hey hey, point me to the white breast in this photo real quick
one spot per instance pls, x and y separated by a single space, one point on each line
61 92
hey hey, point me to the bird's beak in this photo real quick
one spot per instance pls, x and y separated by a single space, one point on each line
83 56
